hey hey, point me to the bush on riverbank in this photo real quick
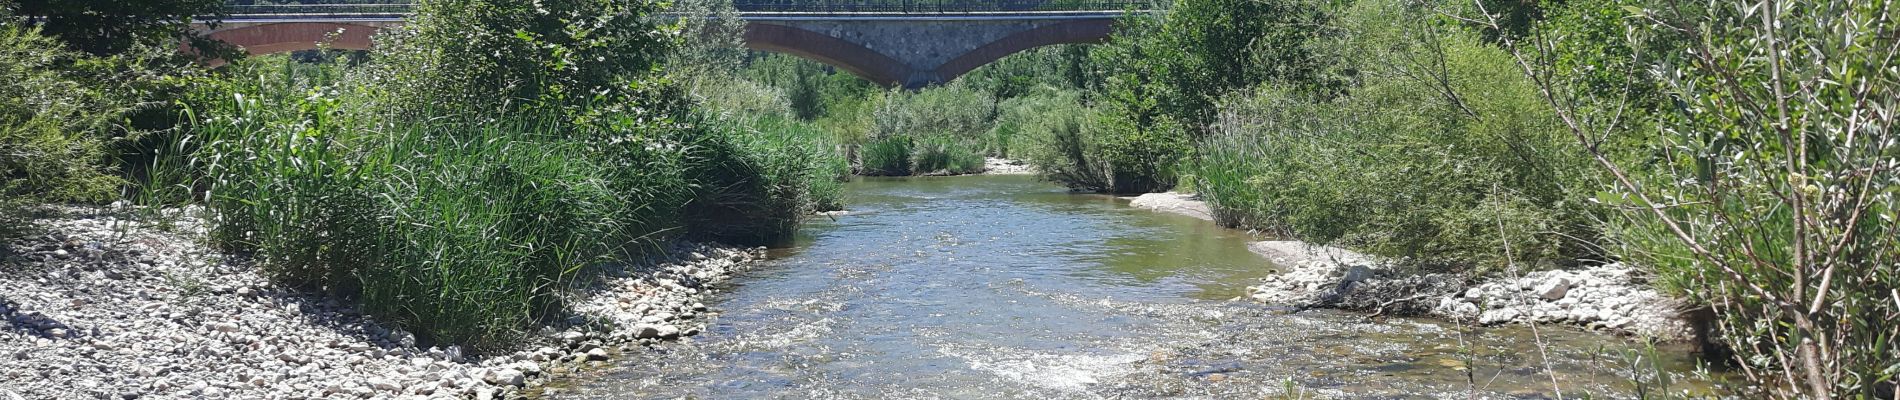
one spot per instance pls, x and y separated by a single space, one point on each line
937 130
1440 156
71 123
466 232
462 207
52 131
886 157
1758 177
1062 144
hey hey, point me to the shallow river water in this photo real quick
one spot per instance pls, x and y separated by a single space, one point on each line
1002 287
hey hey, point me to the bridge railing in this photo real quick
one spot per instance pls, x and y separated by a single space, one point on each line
786 6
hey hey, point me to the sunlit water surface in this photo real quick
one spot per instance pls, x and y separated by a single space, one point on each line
1002 287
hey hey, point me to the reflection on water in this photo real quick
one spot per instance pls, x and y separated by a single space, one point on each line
1007 288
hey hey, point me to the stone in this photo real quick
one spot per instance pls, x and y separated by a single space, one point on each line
403 338
454 354
597 355
504 377
1498 316
572 338
1356 273
1553 288
528 368
383 384
544 354
646 331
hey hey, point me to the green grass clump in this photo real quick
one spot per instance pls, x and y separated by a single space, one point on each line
890 156
755 178
468 231
938 130
945 156
461 232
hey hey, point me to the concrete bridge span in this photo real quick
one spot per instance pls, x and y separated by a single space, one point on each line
891 49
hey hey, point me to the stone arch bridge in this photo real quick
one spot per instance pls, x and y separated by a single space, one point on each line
892 47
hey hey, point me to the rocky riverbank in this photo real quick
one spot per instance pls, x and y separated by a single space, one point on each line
1000 166
1609 297
1177 203
101 306
1613 298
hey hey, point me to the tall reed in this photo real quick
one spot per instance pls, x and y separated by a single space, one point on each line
469 231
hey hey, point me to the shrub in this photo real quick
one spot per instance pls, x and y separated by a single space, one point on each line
63 115
929 131
1063 152
1767 192
889 156
475 240
1180 63
1015 117
464 244
1440 156
461 207
53 130
475 58
756 178
945 155
739 97
1085 149
952 111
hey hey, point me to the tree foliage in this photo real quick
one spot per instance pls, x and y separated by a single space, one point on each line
106 27
482 56
1765 186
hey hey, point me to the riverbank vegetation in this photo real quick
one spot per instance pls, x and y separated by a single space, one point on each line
488 153
80 105
1738 152
461 179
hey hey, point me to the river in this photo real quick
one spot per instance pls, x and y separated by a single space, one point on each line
1002 287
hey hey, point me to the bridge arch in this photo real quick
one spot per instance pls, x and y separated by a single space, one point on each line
863 62
887 49
885 70
1082 31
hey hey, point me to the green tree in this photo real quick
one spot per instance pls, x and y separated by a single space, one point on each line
1201 50
483 56
1770 195
104 27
